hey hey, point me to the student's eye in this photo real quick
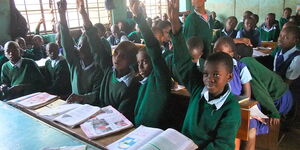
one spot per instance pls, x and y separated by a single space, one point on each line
216 75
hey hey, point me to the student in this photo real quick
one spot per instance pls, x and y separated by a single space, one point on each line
285 17
195 47
240 84
135 36
247 14
118 87
101 33
256 20
199 23
85 75
272 93
22 43
217 23
117 36
38 50
57 72
19 76
269 31
150 110
213 116
249 32
229 29
165 26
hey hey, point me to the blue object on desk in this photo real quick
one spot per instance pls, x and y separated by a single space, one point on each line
19 131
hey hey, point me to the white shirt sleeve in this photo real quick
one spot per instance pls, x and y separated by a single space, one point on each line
245 75
124 38
238 35
293 71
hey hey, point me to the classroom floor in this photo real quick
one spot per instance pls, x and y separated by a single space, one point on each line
291 141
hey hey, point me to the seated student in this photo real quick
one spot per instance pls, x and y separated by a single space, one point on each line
256 20
38 50
229 29
165 26
117 36
240 84
19 76
272 93
159 35
269 31
247 14
249 32
135 36
217 23
195 47
101 33
287 12
150 110
57 72
85 75
22 43
118 87
213 116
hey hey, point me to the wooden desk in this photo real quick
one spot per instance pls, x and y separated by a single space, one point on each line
20 131
78 133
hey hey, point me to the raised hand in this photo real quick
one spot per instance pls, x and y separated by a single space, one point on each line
80 6
86 20
62 6
173 13
134 7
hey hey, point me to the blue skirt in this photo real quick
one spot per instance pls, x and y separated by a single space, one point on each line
283 104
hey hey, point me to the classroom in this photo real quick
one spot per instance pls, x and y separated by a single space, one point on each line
149 74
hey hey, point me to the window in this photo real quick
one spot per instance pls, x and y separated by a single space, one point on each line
34 10
154 7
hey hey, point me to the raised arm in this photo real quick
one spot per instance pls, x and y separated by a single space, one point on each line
102 57
66 39
187 70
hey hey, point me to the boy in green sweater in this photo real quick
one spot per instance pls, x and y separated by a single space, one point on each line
57 72
213 116
269 31
150 109
118 87
285 17
85 75
19 76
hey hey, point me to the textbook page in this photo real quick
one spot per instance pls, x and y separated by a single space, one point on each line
255 112
16 100
135 139
51 106
52 113
107 122
170 140
37 100
77 115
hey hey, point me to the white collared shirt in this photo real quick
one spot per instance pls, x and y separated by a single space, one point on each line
264 27
217 102
18 64
55 61
86 67
127 78
144 81
245 74
293 71
208 14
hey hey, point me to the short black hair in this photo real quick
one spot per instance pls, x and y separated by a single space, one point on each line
221 57
255 17
243 50
100 27
195 42
288 9
228 41
232 18
295 31
164 24
156 30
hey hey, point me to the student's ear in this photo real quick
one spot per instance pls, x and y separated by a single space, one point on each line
229 77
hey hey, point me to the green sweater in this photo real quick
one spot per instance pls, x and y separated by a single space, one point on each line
150 109
266 86
58 78
112 92
135 37
282 21
28 73
196 26
270 35
240 26
209 128
83 82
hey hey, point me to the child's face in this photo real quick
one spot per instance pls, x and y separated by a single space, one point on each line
196 54
230 24
159 37
144 64
120 59
249 24
21 43
198 3
286 41
269 21
12 53
38 41
287 13
220 47
215 77
166 35
52 51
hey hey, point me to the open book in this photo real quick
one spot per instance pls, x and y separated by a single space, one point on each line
34 101
146 138
108 121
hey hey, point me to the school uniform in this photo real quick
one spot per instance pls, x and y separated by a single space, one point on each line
217 24
58 76
135 37
25 71
282 21
223 32
253 35
196 25
270 91
84 79
241 75
121 93
106 44
240 26
150 109
35 53
266 34
115 41
210 124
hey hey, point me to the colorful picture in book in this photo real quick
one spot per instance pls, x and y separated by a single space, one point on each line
121 123
127 143
100 125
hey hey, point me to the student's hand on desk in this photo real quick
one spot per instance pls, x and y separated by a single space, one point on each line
245 41
274 121
73 98
173 13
